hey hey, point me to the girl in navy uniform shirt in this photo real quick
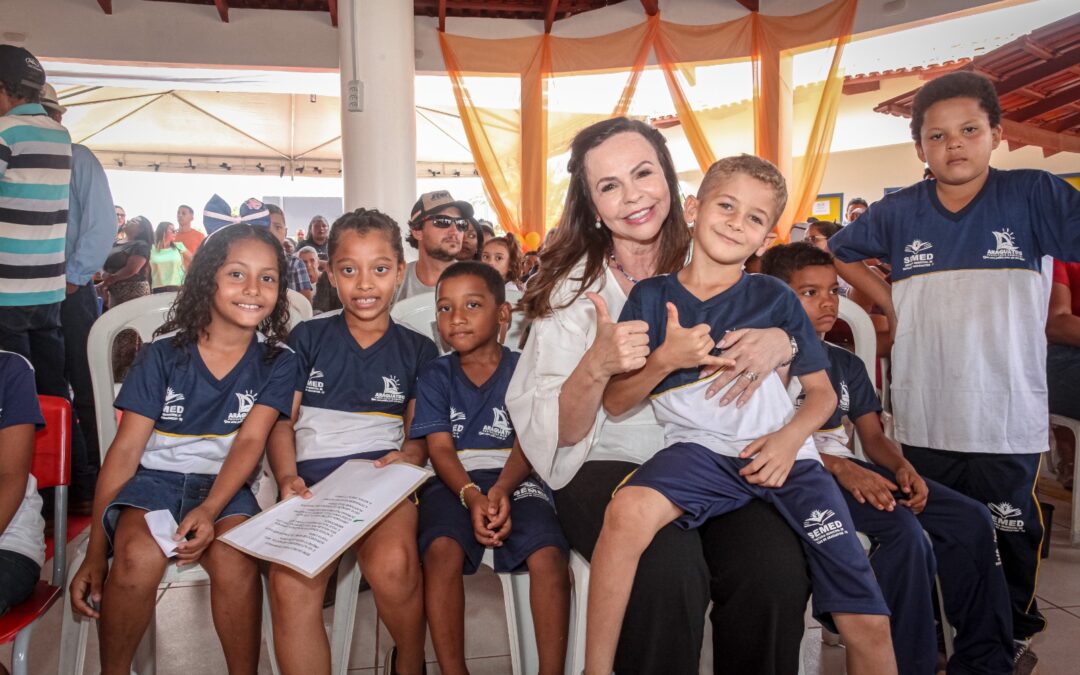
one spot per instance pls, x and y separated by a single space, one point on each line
354 399
198 406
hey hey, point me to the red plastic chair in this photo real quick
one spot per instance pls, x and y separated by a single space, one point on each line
52 469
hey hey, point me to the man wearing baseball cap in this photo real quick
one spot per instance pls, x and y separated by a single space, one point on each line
436 227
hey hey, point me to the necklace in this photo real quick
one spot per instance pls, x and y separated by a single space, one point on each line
616 265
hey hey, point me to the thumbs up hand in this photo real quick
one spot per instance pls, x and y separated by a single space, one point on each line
619 347
688 347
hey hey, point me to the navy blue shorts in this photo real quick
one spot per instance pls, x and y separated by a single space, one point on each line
314 470
533 524
705 484
154 490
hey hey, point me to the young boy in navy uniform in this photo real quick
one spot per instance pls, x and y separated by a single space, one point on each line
483 484
968 306
893 505
720 457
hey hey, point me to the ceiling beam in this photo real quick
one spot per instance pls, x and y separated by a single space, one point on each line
651 6
442 16
1067 122
752 5
549 14
1027 134
223 9
1025 78
1061 99
106 6
333 12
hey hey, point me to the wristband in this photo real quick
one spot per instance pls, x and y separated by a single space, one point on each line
461 492
794 351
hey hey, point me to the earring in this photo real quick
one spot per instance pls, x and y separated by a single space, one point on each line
598 223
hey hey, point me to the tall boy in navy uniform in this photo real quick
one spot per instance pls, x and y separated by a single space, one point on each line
719 458
892 504
968 306
483 483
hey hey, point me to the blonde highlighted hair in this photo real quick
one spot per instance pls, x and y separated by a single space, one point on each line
747 165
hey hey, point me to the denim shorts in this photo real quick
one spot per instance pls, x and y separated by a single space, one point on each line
179 493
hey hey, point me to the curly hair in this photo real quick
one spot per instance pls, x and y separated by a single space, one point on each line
963 84
747 165
362 221
190 313
785 260
577 236
482 271
513 253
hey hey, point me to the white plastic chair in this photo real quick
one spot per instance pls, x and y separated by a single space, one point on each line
1074 427
299 307
862 330
524 657
143 315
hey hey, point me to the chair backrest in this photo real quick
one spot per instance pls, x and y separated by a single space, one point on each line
51 468
517 321
299 308
862 330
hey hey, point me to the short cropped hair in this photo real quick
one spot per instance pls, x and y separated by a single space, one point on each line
963 84
749 165
488 274
274 209
363 221
857 200
784 261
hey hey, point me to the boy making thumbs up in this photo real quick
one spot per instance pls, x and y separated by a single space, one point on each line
718 458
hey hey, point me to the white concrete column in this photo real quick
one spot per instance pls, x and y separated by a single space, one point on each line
378 142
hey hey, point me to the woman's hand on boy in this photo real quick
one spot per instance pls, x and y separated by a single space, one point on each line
86 586
292 485
688 347
756 352
200 526
498 516
774 454
868 486
912 484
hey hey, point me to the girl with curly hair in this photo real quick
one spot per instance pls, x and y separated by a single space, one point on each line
199 404
354 400
504 254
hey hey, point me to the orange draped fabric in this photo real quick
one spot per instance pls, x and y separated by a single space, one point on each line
519 153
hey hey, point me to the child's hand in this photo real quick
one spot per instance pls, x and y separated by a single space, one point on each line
392 457
292 485
912 484
498 515
688 347
86 586
774 454
477 503
867 486
199 524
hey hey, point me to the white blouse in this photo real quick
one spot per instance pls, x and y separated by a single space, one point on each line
555 347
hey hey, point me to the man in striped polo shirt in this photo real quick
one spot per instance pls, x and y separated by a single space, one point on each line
35 169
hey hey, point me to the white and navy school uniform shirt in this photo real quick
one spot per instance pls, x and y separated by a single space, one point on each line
353 400
475 416
196 415
755 301
25 533
969 359
855 397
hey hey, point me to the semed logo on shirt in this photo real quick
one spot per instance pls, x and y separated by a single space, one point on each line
1006 248
391 392
456 418
917 257
244 403
845 397
823 526
171 411
315 385
500 425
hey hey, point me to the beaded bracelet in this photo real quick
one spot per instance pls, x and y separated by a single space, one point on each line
461 492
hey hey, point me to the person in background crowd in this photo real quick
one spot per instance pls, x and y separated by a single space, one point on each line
503 254
186 234
436 227
298 277
88 240
169 260
622 221
530 265
472 242
126 276
121 218
318 236
1063 362
487 228
289 245
310 258
855 208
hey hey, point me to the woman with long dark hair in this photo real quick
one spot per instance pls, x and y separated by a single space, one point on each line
622 222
